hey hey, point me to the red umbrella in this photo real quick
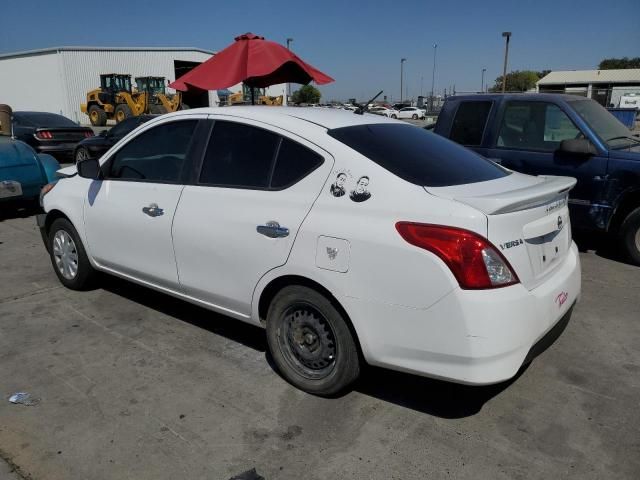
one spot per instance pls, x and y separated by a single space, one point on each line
253 60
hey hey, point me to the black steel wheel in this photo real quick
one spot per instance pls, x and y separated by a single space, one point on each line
311 342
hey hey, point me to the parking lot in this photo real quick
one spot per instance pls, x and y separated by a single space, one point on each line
134 384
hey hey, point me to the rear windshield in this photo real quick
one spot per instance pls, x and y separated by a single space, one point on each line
43 119
417 155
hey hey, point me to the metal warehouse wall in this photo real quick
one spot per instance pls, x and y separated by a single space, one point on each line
81 70
32 82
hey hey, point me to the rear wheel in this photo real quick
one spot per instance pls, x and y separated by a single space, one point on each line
97 116
310 341
630 236
122 113
81 154
68 256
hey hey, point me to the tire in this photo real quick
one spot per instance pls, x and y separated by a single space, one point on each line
414 116
394 116
97 116
630 236
304 326
83 279
122 112
80 154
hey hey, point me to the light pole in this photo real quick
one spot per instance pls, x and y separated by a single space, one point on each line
402 60
506 35
433 76
482 83
289 40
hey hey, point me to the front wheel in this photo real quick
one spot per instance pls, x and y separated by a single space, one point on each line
122 112
414 116
310 342
394 116
68 256
81 154
630 236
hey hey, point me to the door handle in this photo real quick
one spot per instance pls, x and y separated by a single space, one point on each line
273 230
153 210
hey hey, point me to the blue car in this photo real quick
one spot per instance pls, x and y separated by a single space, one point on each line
23 172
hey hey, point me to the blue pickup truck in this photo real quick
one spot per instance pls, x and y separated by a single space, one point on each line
548 134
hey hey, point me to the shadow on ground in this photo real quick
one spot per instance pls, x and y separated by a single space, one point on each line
23 209
433 397
600 243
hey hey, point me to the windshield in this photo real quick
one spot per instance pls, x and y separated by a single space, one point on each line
42 119
605 125
418 156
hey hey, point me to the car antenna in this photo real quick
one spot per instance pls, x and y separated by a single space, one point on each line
362 109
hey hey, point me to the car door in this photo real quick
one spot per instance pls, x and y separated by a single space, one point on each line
240 217
528 136
128 214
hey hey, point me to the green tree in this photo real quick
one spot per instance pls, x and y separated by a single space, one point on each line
306 94
617 63
519 80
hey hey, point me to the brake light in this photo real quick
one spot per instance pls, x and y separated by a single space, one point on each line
472 259
88 134
45 135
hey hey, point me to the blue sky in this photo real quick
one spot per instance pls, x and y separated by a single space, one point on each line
358 43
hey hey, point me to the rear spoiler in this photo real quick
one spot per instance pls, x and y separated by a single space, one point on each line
511 194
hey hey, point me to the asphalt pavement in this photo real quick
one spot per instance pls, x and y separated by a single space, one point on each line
133 384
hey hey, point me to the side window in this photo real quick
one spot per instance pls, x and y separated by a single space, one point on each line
156 155
294 163
239 156
535 126
469 123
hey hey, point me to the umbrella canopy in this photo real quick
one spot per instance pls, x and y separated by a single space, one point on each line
253 60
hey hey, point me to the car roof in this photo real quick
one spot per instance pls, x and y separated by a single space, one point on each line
518 96
326 118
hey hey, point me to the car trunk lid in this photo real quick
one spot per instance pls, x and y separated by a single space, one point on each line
527 220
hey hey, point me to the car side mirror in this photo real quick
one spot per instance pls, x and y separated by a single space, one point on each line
578 147
89 168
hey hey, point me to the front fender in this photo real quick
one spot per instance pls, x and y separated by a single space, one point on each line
49 165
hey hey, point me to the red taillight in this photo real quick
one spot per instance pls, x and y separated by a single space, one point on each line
472 259
45 135
88 134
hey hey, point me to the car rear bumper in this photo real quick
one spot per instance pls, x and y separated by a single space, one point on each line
475 337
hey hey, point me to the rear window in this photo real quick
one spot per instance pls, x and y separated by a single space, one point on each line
417 155
43 119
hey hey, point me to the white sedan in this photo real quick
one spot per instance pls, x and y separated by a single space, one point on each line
412 112
350 238
384 111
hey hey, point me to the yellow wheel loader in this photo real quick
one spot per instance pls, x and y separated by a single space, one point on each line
159 101
114 100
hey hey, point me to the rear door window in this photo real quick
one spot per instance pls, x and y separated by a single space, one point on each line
469 123
418 156
244 156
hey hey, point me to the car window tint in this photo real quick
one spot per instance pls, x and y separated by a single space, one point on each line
156 155
535 126
469 122
239 156
293 164
418 156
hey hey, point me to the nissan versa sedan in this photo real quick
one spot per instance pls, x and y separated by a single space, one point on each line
351 238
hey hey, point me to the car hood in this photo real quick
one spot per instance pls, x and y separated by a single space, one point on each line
14 153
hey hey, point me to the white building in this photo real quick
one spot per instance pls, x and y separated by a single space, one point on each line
57 79
604 86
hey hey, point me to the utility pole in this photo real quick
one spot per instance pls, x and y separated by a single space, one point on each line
506 35
289 40
402 60
433 76
482 83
